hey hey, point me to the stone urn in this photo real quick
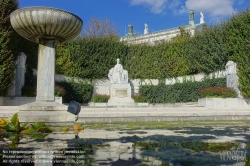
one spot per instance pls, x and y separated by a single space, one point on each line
46 26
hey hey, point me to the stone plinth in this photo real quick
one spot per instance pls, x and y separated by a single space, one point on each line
223 103
120 95
45 112
49 117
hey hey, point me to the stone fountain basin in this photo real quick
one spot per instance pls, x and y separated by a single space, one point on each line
34 23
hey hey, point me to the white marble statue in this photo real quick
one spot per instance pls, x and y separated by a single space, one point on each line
231 67
117 75
232 77
202 18
145 29
120 89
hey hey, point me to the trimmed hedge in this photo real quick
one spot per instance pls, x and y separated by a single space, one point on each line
76 91
178 92
98 98
79 91
88 57
139 98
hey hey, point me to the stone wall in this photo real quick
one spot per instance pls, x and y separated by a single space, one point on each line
223 103
101 86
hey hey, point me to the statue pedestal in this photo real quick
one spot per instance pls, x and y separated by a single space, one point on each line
120 95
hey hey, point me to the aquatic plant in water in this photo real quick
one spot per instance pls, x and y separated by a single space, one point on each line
13 130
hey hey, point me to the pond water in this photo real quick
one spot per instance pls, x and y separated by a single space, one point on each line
197 146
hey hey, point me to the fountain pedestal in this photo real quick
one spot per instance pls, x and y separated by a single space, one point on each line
46 71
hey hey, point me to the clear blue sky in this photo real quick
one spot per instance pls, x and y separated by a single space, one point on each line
158 14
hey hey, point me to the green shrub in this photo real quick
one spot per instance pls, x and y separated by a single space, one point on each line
59 91
224 92
79 91
98 98
178 92
139 98
29 91
29 88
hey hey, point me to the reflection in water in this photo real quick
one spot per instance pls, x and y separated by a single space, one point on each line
181 147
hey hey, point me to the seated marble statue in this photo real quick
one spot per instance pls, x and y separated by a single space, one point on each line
117 75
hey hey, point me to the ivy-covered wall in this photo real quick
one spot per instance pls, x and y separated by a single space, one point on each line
10 45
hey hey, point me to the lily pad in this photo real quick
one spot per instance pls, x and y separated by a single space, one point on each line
45 129
77 128
29 131
3 132
38 125
13 145
11 127
41 127
3 123
15 121
23 126
35 136
14 138
65 129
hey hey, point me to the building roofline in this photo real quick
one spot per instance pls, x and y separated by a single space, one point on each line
161 31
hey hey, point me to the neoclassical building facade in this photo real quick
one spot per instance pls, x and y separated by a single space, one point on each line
163 35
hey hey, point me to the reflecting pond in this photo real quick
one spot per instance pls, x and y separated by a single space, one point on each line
184 146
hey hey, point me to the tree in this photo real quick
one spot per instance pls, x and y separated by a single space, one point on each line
183 36
8 43
100 28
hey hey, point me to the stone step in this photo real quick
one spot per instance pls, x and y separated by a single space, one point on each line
125 114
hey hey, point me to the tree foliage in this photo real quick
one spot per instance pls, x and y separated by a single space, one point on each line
88 57
100 28
7 45
237 39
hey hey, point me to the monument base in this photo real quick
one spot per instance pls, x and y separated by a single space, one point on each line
48 112
223 103
120 95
